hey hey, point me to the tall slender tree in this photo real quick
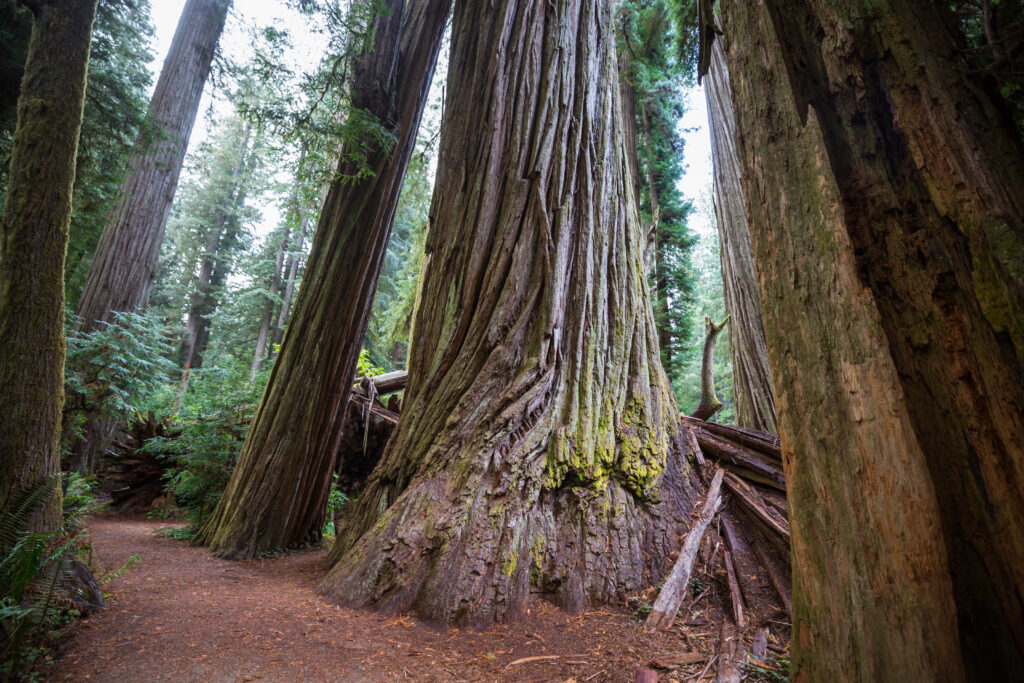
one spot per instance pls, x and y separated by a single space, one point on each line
752 382
884 184
278 491
33 241
539 445
125 262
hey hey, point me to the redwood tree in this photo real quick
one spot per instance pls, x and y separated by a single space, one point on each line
884 185
127 256
126 259
539 442
751 377
277 495
33 241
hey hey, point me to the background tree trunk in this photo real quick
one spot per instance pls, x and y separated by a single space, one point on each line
216 265
125 263
277 495
37 211
538 442
751 377
292 268
268 308
885 191
126 259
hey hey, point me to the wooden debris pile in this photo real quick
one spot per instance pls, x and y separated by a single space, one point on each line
742 533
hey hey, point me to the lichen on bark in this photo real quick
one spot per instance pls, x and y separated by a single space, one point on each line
539 440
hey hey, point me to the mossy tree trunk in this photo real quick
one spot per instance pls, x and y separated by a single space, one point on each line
277 495
33 242
126 259
751 376
539 442
885 192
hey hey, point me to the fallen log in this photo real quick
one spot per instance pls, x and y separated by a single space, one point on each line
760 467
729 665
750 438
734 590
674 589
752 501
382 385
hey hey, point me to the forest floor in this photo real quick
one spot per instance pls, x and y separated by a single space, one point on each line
184 615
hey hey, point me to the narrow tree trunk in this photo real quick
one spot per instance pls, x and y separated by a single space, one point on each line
215 268
33 241
268 307
289 288
277 494
751 377
538 443
885 190
126 259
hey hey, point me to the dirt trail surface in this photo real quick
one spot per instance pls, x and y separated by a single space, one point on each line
184 615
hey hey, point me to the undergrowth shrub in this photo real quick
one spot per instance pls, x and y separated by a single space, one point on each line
41 584
210 427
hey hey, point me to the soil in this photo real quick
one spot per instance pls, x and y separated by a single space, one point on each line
185 615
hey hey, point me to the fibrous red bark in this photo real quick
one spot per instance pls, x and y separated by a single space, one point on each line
885 191
538 444
277 495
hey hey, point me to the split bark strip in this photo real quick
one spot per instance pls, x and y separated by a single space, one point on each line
734 590
729 669
665 607
753 503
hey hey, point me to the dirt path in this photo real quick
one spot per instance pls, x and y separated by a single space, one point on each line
182 614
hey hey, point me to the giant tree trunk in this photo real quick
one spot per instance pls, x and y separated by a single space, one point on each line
885 191
33 240
538 442
751 377
277 495
126 259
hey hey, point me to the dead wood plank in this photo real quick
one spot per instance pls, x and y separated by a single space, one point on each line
734 590
752 501
729 664
674 589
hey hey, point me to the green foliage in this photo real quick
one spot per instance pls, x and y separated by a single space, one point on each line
211 425
32 566
653 72
114 370
773 668
133 561
336 500
364 367
709 300
387 334
995 48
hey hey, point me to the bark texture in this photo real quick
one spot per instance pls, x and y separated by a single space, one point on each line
885 192
33 242
538 442
751 377
277 494
125 263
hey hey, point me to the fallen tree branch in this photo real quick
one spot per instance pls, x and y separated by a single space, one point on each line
665 607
